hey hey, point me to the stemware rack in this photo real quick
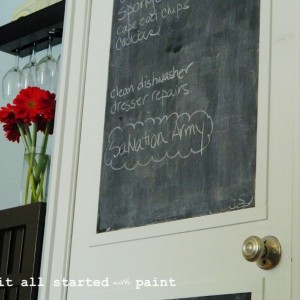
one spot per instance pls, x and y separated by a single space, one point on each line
22 34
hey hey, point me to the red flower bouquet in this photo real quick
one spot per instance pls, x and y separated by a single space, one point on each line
32 112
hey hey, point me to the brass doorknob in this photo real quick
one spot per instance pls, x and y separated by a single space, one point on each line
265 252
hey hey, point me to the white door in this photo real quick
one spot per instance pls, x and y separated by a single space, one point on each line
188 258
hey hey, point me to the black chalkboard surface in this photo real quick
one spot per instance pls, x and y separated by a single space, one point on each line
181 111
245 296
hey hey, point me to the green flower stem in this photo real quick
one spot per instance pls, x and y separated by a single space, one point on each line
27 182
33 187
45 139
34 137
30 180
35 176
37 163
26 141
40 192
28 135
43 158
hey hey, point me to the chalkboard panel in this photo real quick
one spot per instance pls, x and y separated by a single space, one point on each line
181 111
245 296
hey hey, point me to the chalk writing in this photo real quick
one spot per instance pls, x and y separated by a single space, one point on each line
244 201
156 139
135 38
128 104
155 79
141 20
127 98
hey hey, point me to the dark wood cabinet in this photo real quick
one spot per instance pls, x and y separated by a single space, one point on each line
21 243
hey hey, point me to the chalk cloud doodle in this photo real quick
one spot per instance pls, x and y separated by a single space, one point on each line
141 143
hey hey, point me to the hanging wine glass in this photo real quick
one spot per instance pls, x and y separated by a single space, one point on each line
11 82
58 64
29 71
46 70
57 71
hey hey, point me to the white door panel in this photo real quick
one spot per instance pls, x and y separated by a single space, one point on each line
94 118
199 256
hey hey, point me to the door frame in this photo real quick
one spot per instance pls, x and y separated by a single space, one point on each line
60 211
66 144
296 163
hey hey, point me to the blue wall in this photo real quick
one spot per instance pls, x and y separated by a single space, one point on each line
11 154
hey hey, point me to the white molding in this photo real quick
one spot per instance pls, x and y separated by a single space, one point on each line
296 166
58 230
93 118
174 227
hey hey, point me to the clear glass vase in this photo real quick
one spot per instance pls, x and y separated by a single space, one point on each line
35 178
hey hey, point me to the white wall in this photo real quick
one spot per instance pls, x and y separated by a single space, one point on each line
11 154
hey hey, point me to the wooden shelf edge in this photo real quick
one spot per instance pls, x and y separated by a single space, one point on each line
23 33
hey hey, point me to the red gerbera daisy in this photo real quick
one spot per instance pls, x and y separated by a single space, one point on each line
46 105
32 102
7 114
42 123
12 132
